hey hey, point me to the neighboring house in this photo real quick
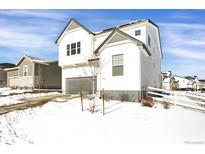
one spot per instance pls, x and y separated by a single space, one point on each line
128 58
201 84
3 75
193 81
186 83
34 72
182 82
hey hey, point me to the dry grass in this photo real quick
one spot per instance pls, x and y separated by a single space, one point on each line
166 105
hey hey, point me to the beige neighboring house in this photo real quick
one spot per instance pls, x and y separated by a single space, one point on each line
32 72
2 77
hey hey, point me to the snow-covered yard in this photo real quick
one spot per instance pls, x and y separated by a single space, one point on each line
20 96
124 123
7 91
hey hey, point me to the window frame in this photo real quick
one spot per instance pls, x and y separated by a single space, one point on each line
25 66
68 50
149 41
73 48
114 66
78 47
137 32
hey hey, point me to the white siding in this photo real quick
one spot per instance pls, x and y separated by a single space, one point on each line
131 78
129 30
73 36
140 70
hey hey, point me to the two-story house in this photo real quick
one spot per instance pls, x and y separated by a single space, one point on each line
128 58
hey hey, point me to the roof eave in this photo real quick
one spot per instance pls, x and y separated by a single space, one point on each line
72 19
10 69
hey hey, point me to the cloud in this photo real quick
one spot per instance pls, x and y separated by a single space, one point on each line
35 13
184 39
185 67
183 45
183 53
16 38
180 26
33 35
27 35
182 16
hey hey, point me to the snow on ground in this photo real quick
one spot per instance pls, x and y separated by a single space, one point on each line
124 123
7 91
19 98
198 93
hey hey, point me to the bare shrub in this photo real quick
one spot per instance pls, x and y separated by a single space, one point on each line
124 97
175 85
148 101
92 103
165 105
92 107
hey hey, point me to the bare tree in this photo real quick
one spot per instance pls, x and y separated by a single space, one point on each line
94 69
95 66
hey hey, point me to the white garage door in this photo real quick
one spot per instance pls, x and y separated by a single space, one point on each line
75 85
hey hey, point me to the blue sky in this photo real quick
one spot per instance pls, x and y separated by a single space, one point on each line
34 32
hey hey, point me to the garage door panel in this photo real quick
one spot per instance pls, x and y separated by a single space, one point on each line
75 85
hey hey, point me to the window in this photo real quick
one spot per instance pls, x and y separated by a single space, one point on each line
137 32
25 70
68 50
73 48
149 41
78 47
117 65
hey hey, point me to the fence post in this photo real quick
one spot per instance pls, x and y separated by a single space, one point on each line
175 98
81 99
103 97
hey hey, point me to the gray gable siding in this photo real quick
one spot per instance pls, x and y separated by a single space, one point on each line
23 63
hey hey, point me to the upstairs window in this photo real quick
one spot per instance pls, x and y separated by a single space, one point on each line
68 50
117 65
78 47
137 32
73 48
149 41
25 70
